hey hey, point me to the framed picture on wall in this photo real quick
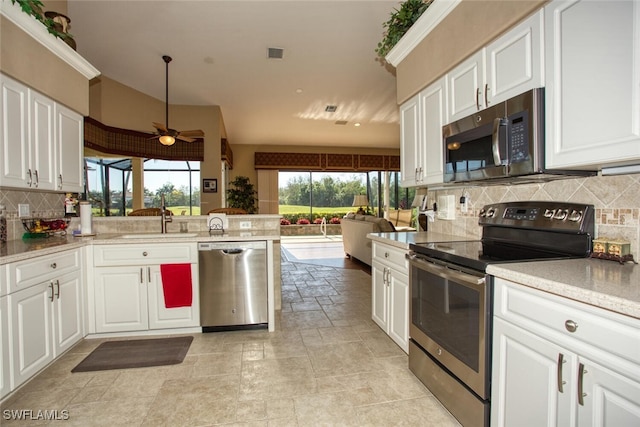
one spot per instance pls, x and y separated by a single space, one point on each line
210 185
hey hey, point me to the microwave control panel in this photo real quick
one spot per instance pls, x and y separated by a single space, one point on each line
519 137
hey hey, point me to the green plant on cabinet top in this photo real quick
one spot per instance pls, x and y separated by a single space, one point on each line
34 8
401 20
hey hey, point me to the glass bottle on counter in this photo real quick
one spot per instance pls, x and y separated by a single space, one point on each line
3 225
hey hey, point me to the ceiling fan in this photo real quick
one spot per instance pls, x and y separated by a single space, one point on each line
166 135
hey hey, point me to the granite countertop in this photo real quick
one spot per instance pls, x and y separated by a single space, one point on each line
17 250
402 240
605 284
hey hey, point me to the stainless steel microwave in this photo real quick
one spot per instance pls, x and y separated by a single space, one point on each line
502 141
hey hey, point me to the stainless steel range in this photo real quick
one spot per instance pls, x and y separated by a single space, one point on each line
451 295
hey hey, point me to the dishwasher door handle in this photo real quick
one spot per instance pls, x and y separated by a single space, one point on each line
232 251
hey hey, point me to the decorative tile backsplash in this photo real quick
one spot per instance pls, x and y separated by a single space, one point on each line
616 199
41 204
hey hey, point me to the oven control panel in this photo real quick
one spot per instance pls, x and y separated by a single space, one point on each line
539 215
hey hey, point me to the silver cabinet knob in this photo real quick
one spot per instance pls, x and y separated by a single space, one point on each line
570 325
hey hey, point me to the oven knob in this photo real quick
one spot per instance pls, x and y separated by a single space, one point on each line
575 216
561 214
548 213
482 213
491 213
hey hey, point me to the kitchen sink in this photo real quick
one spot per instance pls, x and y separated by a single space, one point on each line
157 235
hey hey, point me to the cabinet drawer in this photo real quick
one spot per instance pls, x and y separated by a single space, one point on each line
26 273
548 315
144 254
391 256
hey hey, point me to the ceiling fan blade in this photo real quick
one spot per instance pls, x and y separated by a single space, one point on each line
154 137
184 138
192 133
160 127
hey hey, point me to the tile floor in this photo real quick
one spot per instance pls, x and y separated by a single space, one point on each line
327 364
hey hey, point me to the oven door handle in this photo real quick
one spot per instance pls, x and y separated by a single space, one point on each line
444 272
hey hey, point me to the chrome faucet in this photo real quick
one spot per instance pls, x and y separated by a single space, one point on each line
164 219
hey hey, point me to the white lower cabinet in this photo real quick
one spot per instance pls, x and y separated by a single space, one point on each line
5 356
546 375
130 297
390 292
46 320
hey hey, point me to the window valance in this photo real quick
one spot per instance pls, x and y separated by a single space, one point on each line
329 162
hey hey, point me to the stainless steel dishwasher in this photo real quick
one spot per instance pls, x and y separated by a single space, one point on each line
233 285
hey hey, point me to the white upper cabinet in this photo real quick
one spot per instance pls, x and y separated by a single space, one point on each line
509 66
592 83
41 141
410 164
14 134
433 115
70 146
421 121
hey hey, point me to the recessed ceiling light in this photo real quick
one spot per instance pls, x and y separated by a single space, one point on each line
298 90
356 124
331 108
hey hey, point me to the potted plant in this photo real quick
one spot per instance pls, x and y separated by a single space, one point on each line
54 21
401 20
242 195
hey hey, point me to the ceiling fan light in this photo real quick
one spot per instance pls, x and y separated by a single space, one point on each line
167 140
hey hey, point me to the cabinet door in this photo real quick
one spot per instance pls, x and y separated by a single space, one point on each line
67 312
409 143
5 356
42 137
464 85
70 143
609 399
592 80
14 141
433 115
161 317
121 299
31 330
527 377
379 303
515 62
399 308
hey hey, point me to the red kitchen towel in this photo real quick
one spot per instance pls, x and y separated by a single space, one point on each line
176 285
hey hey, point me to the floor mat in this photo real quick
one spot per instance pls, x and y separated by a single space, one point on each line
135 354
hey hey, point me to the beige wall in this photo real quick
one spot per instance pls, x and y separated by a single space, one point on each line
115 104
26 60
469 27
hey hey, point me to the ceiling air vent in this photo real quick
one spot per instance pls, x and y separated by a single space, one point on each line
341 122
331 108
275 53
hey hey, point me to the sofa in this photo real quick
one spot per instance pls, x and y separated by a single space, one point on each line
354 234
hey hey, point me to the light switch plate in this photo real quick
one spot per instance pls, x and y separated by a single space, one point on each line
23 210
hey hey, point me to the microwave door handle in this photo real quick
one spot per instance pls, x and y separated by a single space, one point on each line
495 142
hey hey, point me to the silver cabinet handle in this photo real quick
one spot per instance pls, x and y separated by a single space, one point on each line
30 181
149 274
54 265
58 289
60 182
486 97
37 179
581 394
51 286
478 99
141 277
570 325
561 383
388 276
386 254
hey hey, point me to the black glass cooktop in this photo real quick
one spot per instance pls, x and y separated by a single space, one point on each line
478 254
